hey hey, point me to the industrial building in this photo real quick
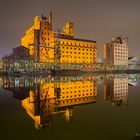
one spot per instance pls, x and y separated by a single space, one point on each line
58 47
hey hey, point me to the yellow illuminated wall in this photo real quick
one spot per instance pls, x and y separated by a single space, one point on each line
78 92
72 50
43 100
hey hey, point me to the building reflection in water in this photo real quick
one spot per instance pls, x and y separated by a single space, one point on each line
116 89
42 98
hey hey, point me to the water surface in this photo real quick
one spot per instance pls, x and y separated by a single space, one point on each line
100 107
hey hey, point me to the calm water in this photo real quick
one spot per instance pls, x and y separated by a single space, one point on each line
102 107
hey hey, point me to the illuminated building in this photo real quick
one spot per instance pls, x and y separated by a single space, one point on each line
116 90
43 97
45 45
19 60
49 98
116 53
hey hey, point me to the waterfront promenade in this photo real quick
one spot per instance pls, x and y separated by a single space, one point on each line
72 72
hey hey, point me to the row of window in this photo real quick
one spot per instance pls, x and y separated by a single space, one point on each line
121 90
119 86
120 46
79 99
44 33
76 48
76 61
78 53
77 91
124 56
45 28
77 44
42 39
120 83
121 52
78 87
122 93
121 59
120 97
71 96
117 49
77 57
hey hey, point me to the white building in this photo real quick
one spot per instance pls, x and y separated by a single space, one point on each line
116 53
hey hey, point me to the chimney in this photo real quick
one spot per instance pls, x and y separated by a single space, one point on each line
50 18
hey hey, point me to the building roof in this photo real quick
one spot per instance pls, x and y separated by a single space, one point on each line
62 36
130 57
84 40
22 47
79 39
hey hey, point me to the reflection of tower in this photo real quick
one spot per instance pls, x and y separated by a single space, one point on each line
40 104
116 90
68 115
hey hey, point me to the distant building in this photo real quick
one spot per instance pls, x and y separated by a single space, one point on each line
99 63
134 63
19 59
46 45
1 64
21 52
116 53
116 90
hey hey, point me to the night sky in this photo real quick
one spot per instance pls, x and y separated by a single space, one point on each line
98 20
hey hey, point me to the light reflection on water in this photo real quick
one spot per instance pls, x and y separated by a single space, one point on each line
45 99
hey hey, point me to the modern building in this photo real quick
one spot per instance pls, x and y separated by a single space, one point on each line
61 47
116 53
116 90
